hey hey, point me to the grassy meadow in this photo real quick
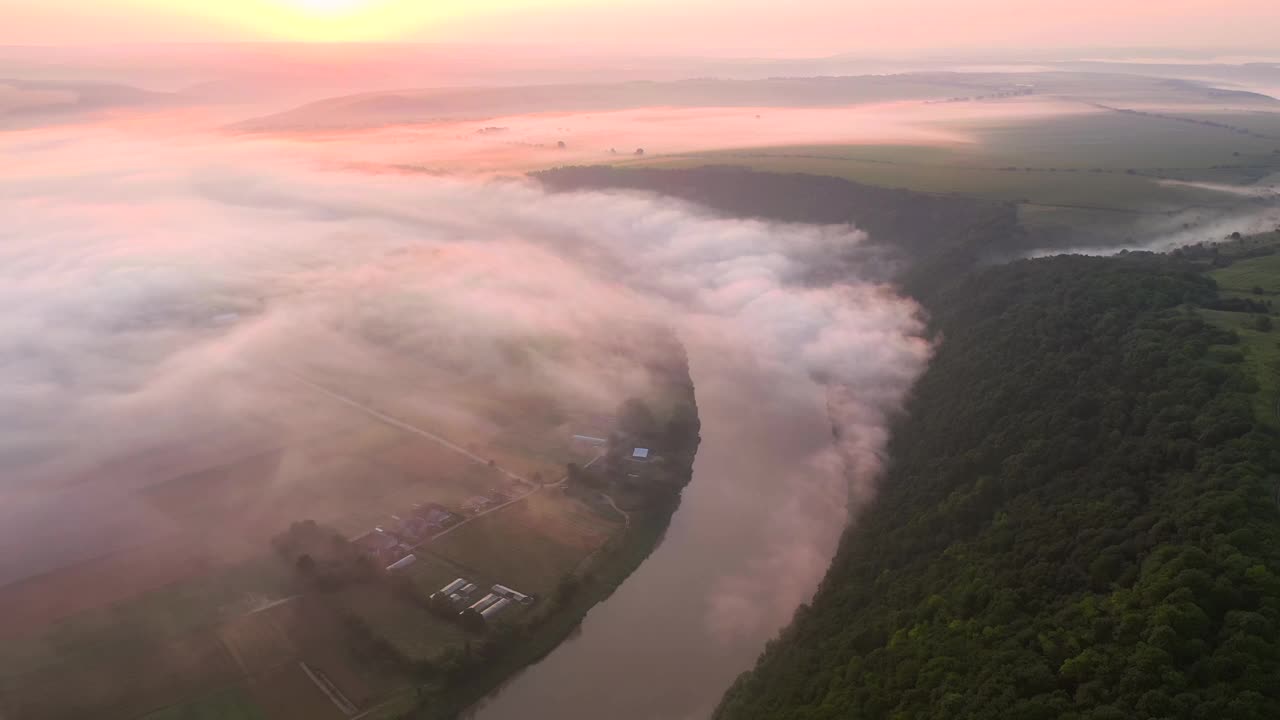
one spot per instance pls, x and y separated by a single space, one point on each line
190 640
1092 178
1257 279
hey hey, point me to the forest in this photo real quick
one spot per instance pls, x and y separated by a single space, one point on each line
1080 519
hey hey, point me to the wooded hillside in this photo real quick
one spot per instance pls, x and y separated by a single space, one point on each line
1080 520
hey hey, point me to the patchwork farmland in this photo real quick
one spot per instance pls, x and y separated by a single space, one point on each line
205 620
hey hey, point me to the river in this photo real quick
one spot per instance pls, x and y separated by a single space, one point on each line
755 531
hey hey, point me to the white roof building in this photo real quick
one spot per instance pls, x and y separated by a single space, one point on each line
640 454
403 562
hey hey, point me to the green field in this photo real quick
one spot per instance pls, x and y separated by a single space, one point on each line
529 546
1243 276
413 631
130 658
1097 161
1261 349
174 650
1261 357
229 704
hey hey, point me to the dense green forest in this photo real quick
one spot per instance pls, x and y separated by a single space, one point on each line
1080 520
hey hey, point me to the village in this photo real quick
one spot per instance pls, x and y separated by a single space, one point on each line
364 563
395 546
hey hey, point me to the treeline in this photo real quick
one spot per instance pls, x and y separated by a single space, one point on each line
1080 521
932 234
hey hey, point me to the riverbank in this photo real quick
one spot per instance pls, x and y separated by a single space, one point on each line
748 543
462 691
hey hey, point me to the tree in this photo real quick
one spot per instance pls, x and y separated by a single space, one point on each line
636 419
1262 323
567 589
306 565
1078 520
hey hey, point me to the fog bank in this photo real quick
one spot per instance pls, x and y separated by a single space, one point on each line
161 287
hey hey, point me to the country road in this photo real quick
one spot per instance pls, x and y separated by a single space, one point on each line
445 442
512 501
626 516
395 422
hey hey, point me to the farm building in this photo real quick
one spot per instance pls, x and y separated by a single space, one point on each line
586 444
425 520
414 529
476 504
402 563
381 546
507 592
495 608
454 586
435 515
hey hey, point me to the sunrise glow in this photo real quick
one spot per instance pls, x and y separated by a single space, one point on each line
329 6
808 27
292 20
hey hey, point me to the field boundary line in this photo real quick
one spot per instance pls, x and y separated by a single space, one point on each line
407 427
626 516
327 687
272 604
508 503
235 655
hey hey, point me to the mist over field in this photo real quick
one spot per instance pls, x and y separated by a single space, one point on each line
162 286
520 380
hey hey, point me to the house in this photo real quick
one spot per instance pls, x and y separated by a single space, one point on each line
381 546
403 562
414 528
433 514
640 454
476 504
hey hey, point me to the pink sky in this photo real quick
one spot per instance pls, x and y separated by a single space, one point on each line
800 27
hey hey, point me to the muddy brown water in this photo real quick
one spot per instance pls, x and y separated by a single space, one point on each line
755 531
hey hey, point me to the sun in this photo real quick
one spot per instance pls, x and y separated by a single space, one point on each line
329 7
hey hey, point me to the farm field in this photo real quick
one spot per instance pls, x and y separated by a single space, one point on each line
143 630
288 694
408 627
125 658
175 629
1243 276
1069 174
129 676
528 546
258 641
316 627
230 704
1261 357
1261 348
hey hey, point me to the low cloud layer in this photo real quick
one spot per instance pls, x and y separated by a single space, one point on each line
159 288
